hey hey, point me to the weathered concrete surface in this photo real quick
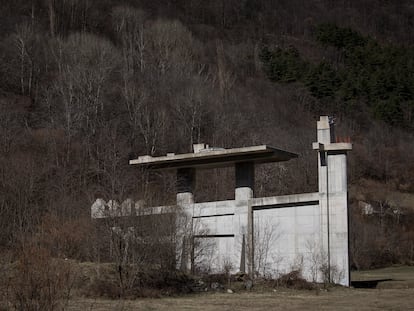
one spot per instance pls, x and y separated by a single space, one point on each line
286 233
285 199
287 239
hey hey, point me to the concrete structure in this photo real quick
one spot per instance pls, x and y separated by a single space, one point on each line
263 236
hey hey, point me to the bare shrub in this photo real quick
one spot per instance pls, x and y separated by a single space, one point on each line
104 283
294 280
40 282
5 278
64 238
151 284
264 239
216 279
227 268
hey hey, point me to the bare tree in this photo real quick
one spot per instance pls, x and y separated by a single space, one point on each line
84 63
266 234
52 17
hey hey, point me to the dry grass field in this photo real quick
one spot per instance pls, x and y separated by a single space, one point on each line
396 273
336 299
401 277
397 294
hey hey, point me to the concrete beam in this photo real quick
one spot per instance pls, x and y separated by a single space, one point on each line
332 147
285 199
215 157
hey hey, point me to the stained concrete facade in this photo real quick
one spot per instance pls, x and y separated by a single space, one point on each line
263 236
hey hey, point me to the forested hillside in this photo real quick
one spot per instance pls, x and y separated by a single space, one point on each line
86 85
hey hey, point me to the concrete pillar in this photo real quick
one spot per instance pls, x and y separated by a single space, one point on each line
324 130
185 186
243 222
185 200
333 190
324 137
244 181
338 217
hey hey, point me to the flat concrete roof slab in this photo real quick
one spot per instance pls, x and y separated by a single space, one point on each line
215 157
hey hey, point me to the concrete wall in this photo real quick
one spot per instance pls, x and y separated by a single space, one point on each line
286 239
289 233
286 234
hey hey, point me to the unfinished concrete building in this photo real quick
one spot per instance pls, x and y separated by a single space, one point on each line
268 235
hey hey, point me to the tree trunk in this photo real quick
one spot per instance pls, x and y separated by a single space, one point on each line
51 17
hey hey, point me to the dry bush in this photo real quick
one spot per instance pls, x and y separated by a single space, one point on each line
103 287
5 277
150 284
40 282
65 238
220 278
294 280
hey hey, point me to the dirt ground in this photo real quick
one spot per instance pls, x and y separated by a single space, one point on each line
335 299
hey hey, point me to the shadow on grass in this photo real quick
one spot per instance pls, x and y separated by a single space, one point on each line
368 284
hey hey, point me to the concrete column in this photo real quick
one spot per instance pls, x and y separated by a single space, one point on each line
324 137
243 222
184 225
185 186
333 189
324 130
338 217
244 180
